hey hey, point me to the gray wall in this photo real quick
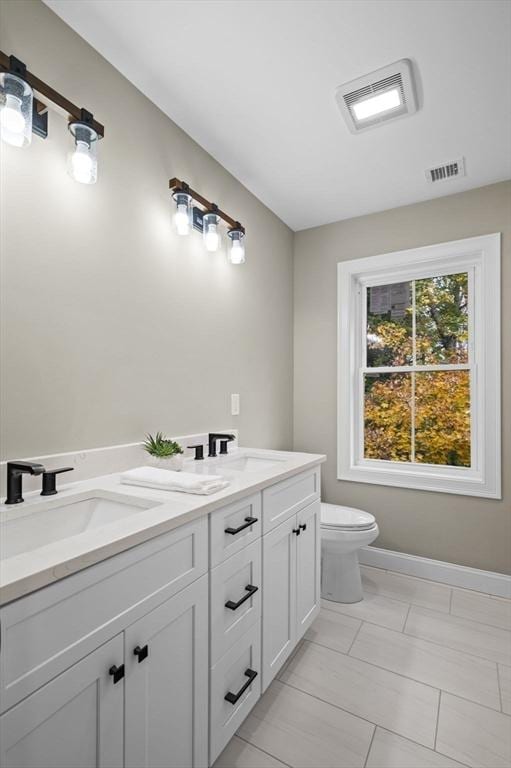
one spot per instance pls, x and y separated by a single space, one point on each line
460 529
112 325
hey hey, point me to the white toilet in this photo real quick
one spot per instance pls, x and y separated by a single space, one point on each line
343 531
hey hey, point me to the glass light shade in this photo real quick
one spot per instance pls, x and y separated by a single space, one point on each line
210 231
237 249
83 162
183 214
16 100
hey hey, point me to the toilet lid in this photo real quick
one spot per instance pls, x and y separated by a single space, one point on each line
334 516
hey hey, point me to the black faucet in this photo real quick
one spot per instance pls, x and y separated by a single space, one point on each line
213 437
15 470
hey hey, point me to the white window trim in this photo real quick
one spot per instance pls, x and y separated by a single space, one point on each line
480 257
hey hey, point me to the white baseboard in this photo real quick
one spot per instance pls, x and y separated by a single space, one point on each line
489 582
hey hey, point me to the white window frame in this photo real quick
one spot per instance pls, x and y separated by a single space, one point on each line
480 257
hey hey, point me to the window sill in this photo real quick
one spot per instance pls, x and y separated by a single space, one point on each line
456 480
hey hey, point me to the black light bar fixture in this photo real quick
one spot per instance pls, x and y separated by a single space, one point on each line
22 113
193 211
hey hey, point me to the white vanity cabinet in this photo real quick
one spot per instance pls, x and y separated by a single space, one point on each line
75 720
118 657
291 570
154 657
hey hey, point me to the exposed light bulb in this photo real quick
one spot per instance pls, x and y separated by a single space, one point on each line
82 163
211 237
237 252
182 214
182 220
12 120
15 110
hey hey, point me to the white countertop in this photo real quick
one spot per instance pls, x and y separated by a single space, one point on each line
25 572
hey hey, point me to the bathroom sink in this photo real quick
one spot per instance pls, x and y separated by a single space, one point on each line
249 463
46 523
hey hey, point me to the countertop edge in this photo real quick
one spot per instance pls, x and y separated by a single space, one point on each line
33 582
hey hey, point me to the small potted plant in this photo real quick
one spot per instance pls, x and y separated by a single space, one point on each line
165 453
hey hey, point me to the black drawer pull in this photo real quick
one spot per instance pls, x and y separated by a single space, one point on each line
250 591
303 526
248 522
232 698
141 653
117 672
297 531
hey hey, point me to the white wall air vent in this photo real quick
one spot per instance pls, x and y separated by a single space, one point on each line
446 171
383 95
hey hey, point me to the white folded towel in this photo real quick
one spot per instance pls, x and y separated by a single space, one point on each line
168 480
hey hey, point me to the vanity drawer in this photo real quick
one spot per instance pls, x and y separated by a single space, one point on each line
48 631
284 499
235 598
231 530
233 673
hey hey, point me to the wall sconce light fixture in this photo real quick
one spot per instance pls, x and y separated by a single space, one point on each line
205 218
22 113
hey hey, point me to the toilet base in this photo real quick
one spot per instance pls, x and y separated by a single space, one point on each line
340 576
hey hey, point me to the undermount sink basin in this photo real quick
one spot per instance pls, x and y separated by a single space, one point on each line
249 463
42 524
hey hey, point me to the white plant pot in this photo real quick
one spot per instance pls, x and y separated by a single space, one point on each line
172 462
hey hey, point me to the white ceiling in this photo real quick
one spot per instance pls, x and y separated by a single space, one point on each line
253 82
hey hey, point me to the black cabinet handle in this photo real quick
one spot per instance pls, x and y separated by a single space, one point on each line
303 526
297 531
117 672
250 591
232 698
248 522
141 653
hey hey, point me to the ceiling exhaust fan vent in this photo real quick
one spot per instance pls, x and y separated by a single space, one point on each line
446 171
383 95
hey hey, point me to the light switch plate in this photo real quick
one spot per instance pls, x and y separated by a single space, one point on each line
235 405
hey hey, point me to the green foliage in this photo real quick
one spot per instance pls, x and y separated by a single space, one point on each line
442 398
161 447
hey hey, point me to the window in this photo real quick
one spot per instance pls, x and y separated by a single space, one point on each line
419 368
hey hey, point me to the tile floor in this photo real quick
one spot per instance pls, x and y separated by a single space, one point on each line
418 675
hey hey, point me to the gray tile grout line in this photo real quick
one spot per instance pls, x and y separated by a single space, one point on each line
399 674
452 648
359 717
401 600
406 619
437 610
422 639
260 749
370 745
438 717
355 637
500 690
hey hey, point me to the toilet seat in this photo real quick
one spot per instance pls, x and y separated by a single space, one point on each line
335 517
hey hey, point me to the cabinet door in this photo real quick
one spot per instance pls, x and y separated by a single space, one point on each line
74 721
279 597
308 555
167 683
